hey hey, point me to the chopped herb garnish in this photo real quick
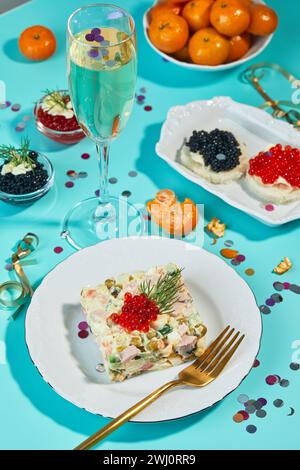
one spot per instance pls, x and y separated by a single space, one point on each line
17 156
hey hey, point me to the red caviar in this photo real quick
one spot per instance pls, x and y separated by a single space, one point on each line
57 123
138 311
277 162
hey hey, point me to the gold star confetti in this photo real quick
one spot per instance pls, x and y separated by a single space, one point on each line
216 227
284 266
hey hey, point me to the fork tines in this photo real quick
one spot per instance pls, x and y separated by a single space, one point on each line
219 352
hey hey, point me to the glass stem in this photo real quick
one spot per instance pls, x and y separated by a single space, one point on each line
103 160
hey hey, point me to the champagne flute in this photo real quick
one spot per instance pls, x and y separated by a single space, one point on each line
102 71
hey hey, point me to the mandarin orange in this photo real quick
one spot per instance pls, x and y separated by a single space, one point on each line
230 17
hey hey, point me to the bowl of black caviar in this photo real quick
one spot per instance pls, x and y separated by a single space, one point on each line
25 174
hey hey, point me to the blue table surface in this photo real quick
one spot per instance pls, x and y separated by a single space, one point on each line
32 415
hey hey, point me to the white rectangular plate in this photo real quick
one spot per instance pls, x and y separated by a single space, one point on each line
251 126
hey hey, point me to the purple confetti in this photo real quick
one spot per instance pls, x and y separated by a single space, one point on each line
93 53
99 38
89 37
83 325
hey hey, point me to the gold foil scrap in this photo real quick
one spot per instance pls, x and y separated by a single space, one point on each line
284 266
216 227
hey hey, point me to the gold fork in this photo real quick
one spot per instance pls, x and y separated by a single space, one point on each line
203 371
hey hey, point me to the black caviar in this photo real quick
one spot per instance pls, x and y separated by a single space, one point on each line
220 149
25 183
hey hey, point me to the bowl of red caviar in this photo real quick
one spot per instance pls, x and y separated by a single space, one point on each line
55 118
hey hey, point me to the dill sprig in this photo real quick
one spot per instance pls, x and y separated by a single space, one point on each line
15 155
58 98
166 291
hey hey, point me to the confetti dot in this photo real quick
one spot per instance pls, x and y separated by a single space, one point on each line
264 309
238 418
244 414
294 366
96 31
69 184
21 125
85 156
104 52
286 285
82 174
83 325
93 53
83 334
89 37
256 363
242 398
294 288
132 174
269 207
235 262
19 129
148 108
5 105
240 258
140 98
16 107
261 413
110 63
272 379
263 401
278 286
100 367
58 249
143 90
250 409
97 192
8 267
228 243
277 298
113 180
27 117
270 302
284 383
278 403
251 428
71 173
249 272
126 193
250 402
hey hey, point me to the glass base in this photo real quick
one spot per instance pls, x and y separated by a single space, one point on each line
88 223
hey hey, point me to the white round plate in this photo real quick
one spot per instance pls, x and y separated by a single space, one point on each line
255 128
259 44
68 363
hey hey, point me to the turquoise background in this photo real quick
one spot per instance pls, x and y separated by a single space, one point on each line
32 415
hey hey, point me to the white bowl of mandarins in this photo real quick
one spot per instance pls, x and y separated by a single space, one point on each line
209 35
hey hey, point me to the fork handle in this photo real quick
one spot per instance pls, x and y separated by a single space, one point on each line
124 417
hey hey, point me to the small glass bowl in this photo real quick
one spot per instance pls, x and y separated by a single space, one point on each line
31 197
62 137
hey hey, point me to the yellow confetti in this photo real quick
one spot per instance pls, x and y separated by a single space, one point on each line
284 266
216 227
